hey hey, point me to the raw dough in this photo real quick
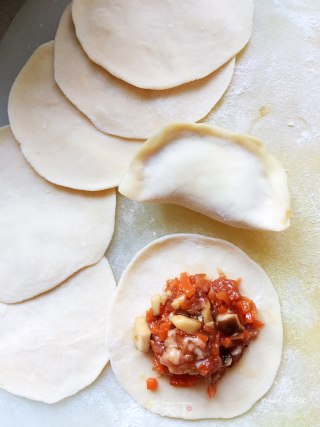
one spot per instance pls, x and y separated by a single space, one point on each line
59 141
225 176
118 108
55 345
144 277
162 44
46 232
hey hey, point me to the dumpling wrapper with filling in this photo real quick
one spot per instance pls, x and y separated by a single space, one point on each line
162 44
60 142
47 232
226 176
146 275
118 108
54 345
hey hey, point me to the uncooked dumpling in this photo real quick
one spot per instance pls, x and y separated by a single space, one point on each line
145 276
118 108
162 44
226 176
60 142
54 345
47 232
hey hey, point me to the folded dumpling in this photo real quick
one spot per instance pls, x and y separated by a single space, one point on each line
226 176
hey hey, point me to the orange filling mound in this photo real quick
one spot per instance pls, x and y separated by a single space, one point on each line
226 323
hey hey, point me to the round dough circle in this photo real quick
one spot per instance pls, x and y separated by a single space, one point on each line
118 108
55 345
162 44
60 142
46 232
146 276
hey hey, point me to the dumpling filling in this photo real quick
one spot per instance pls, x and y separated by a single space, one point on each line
197 329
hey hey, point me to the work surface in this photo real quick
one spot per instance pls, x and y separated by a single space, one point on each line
274 95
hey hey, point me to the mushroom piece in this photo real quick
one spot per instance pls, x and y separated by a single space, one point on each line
229 324
227 360
141 334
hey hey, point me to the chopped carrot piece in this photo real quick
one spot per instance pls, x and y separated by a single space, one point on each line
223 296
155 329
244 306
163 330
149 315
202 337
257 324
226 342
212 295
158 367
222 309
249 317
211 390
152 384
186 285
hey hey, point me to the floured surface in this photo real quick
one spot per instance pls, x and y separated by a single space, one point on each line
288 92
